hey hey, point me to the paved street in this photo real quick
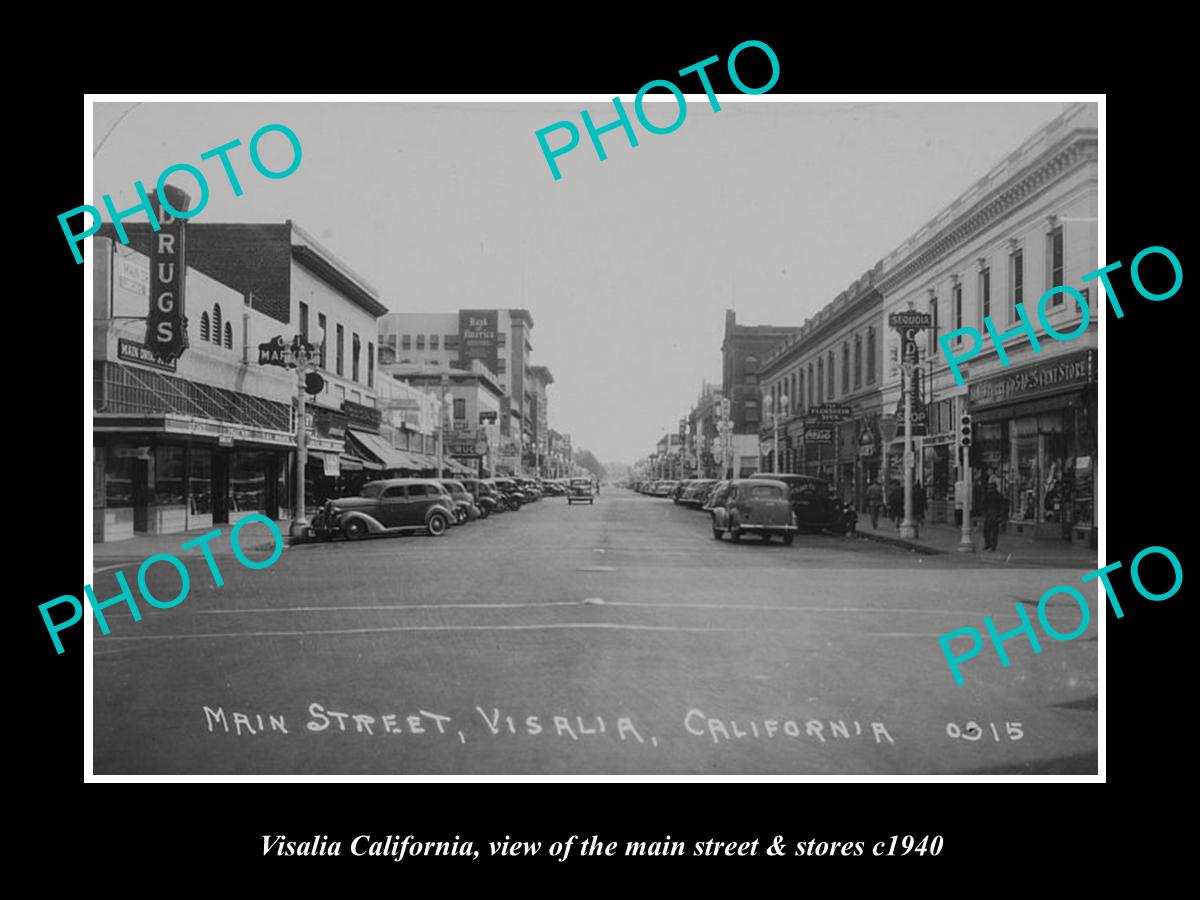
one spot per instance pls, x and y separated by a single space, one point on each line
616 638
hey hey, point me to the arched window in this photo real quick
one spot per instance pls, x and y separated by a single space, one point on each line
204 326
216 324
228 336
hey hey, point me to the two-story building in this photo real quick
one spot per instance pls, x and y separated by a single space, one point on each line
1028 225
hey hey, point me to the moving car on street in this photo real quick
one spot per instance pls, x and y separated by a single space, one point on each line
393 506
580 490
753 506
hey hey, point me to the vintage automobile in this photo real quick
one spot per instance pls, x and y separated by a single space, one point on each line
465 509
483 496
811 499
393 506
579 490
753 506
697 493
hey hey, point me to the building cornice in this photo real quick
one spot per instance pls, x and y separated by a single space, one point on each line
954 227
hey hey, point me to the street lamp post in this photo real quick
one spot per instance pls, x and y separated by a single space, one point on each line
775 412
304 355
908 528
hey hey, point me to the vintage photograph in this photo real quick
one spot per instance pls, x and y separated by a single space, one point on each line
545 438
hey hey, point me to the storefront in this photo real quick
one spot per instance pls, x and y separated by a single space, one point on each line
1035 434
939 463
868 458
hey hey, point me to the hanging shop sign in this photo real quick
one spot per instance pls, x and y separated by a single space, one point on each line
166 326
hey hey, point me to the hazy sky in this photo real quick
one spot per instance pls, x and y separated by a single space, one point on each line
628 265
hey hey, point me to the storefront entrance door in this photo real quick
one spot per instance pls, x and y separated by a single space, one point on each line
141 495
220 487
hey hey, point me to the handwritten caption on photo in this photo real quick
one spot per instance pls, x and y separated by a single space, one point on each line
126 596
398 848
1026 627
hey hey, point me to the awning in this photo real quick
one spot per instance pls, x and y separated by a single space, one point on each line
375 447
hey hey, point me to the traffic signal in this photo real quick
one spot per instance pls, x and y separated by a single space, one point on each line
964 430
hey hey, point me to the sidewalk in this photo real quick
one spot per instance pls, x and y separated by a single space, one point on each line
254 536
1015 549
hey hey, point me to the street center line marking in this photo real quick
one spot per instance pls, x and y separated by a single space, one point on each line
623 603
540 627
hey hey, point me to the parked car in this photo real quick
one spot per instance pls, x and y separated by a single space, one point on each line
510 491
664 488
465 509
679 488
483 495
697 493
753 506
393 506
812 501
580 490
714 494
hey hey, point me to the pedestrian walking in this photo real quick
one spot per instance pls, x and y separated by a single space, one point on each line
874 502
994 507
919 504
895 499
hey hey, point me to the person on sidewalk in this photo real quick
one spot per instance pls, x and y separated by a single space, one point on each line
874 502
895 499
919 506
994 507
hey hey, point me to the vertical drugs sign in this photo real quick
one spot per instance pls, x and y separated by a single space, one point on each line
166 325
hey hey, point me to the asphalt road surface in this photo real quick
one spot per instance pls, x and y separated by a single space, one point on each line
618 638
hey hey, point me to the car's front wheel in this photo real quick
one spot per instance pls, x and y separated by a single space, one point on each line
355 529
437 524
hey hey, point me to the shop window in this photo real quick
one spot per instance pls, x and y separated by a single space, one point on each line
247 481
118 476
216 323
166 479
228 336
200 481
204 329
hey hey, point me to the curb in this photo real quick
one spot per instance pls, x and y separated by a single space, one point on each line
900 542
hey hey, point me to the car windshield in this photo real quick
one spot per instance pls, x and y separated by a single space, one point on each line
764 492
371 489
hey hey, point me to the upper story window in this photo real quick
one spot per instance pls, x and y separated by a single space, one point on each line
829 382
204 329
985 293
858 361
406 342
341 348
370 364
1016 280
957 302
820 380
460 408
356 349
810 384
845 367
322 324
1054 259
228 336
501 339
420 342
216 323
871 342
933 328
433 342
450 341
304 320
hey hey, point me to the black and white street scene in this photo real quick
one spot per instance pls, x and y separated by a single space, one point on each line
424 443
